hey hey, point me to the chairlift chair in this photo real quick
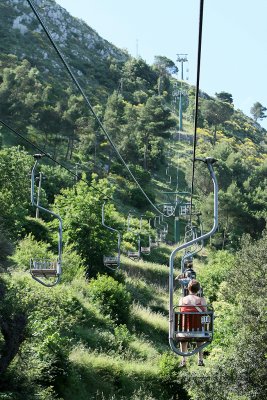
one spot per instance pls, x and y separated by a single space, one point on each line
112 262
161 233
185 209
43 269
152 243
193 326
168 209
164 230
145 250
135 254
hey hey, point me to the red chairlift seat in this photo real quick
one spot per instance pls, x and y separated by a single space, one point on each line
193 325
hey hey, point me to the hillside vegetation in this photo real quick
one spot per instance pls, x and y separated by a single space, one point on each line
103 334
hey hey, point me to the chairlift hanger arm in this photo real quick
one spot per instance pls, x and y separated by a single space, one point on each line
60 227
195 251
37 157
103 221
47 284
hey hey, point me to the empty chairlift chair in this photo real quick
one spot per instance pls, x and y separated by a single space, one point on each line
161 234
134 254
145 250
169 209
154 243
163 229
112 261
43 270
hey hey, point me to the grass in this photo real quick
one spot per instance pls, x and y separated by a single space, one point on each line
113 374
101 366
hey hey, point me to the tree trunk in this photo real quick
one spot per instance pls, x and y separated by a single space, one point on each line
13 329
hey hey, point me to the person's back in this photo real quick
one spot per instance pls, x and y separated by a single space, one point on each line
190 322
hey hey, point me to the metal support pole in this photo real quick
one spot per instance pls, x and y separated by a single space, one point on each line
38 195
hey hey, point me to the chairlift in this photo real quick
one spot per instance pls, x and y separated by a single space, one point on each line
168 209
190 232
192 326
187 271
168 176
166 226
198 246
145 250
136 254
112 262
152 243
161 232
185 209
42 269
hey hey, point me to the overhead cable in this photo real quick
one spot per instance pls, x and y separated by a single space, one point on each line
196 101
51 158
89 105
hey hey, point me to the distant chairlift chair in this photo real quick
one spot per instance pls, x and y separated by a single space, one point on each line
112 262
164 228
134 255
145 250
44 269
152 243
169 209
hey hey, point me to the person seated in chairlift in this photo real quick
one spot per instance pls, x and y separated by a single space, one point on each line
200 305
187 275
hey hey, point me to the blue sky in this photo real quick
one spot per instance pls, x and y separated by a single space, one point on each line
234 56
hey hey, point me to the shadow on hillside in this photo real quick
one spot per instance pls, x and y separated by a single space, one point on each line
153 274
156 334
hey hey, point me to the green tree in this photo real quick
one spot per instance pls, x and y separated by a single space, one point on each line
165 68
165 65
20 90
111 297
239 371
15 165
80 209
225 97
137 75
258 111
155 121
215 113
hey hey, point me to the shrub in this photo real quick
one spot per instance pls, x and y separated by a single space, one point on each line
211 276
122 336
72 264
29 248
169 366
111 297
